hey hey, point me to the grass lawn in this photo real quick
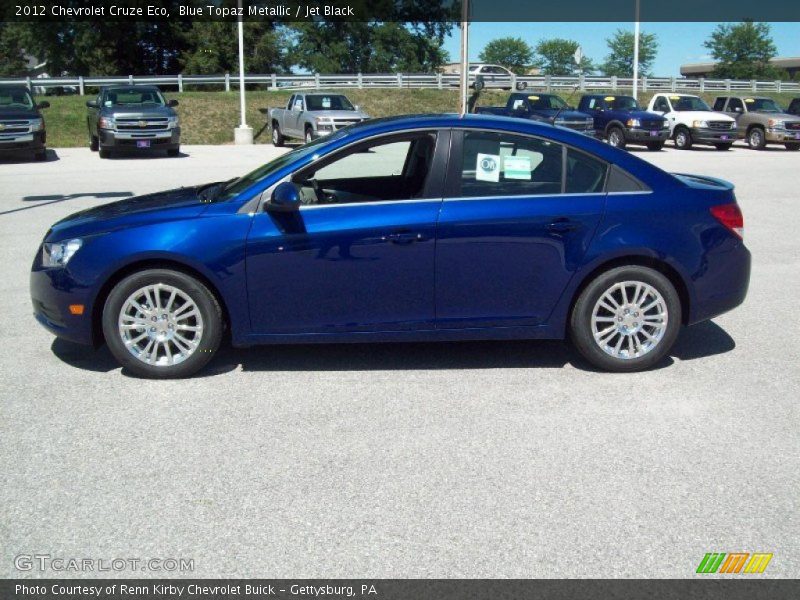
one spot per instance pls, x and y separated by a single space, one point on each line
210 117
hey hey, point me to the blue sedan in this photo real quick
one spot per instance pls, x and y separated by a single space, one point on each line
403 229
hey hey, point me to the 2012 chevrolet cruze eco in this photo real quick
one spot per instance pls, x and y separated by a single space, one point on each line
410 228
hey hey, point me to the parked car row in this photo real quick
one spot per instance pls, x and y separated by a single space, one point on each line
684 118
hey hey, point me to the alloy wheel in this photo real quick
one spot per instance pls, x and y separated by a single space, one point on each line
629 320
160 325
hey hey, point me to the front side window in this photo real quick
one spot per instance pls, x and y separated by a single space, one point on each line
386 169
502 164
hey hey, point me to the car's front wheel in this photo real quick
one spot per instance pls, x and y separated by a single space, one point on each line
756 138
616 138
160 323
626 319
683 138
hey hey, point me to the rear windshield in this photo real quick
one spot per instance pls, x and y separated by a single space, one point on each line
128 97
15 99
328 103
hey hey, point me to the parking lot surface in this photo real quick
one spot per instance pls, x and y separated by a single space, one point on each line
403 460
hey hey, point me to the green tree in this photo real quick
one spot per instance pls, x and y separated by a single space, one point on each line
619 61
743 51
557 57
12 59
214 48
511 52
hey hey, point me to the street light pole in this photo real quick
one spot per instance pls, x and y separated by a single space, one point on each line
242 134
464 56
636 53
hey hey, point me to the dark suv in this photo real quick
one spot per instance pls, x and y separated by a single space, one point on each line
133 118
21 123
621 121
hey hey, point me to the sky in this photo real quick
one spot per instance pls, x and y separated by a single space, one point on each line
678 42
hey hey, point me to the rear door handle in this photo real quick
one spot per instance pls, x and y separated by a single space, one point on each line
405 237
563 225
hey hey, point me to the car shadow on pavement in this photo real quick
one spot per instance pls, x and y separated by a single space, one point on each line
705 339
23 157
54 198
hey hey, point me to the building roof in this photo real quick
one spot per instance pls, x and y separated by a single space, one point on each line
702 68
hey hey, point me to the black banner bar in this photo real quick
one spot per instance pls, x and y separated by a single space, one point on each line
285 11
734 588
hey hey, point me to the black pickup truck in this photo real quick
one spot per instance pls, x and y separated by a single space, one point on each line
548 108
21 123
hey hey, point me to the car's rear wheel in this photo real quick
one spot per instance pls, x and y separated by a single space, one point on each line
277 136
655 146
162 324
756 138
792 147
616 138
626 319
683 138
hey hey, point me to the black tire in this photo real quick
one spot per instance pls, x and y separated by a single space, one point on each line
173 152
792 147
309 135
277 136
94 143
522 85
207 306
616 137
683 138
756 138
655 146
105 153
581 331
40 155
723 147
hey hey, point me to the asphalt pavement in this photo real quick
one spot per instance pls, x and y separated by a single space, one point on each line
402 460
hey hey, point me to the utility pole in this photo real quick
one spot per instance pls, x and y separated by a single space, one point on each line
464 56
242 134
636 53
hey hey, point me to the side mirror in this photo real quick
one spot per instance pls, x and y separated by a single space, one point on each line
738 109
172 103
44 104
357 107
92 104
285 198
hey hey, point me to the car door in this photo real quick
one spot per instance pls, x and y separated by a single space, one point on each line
296 116
359 254
518 215
735 110
662 106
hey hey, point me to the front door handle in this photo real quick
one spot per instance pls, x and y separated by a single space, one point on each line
405 237
563 225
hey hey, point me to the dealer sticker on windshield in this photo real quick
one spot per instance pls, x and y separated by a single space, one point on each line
517 167
487 167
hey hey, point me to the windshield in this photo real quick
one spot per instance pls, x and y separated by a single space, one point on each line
680 103
762 105
133 96
237 186
15 99
328 103
547 102
624 103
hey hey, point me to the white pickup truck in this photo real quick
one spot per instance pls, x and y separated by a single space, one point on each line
691 121
309 116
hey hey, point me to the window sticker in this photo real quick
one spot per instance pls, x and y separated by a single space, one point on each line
517 167
674 97
326 103
609 98
533 97
749 100
517 104
487 167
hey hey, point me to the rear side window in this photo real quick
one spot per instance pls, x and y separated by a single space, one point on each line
622 181
585 174
501 164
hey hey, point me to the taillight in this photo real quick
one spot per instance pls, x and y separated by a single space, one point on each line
730 215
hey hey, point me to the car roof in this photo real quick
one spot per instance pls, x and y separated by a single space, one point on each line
127 86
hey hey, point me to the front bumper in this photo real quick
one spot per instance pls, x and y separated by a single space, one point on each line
713 136
645 136
52 293
23 142
782 136
169 139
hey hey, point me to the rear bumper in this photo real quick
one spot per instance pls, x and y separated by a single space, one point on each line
713 136
161 140
52 292
724 285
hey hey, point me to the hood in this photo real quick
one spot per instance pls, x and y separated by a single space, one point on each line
19 113
638 114
705 115
340 114
162 206
779 115
137 112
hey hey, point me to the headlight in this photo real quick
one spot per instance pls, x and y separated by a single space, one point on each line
590 122
776 123
37 124
634 123
665 125
58 254
700 124
107 123
173 122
